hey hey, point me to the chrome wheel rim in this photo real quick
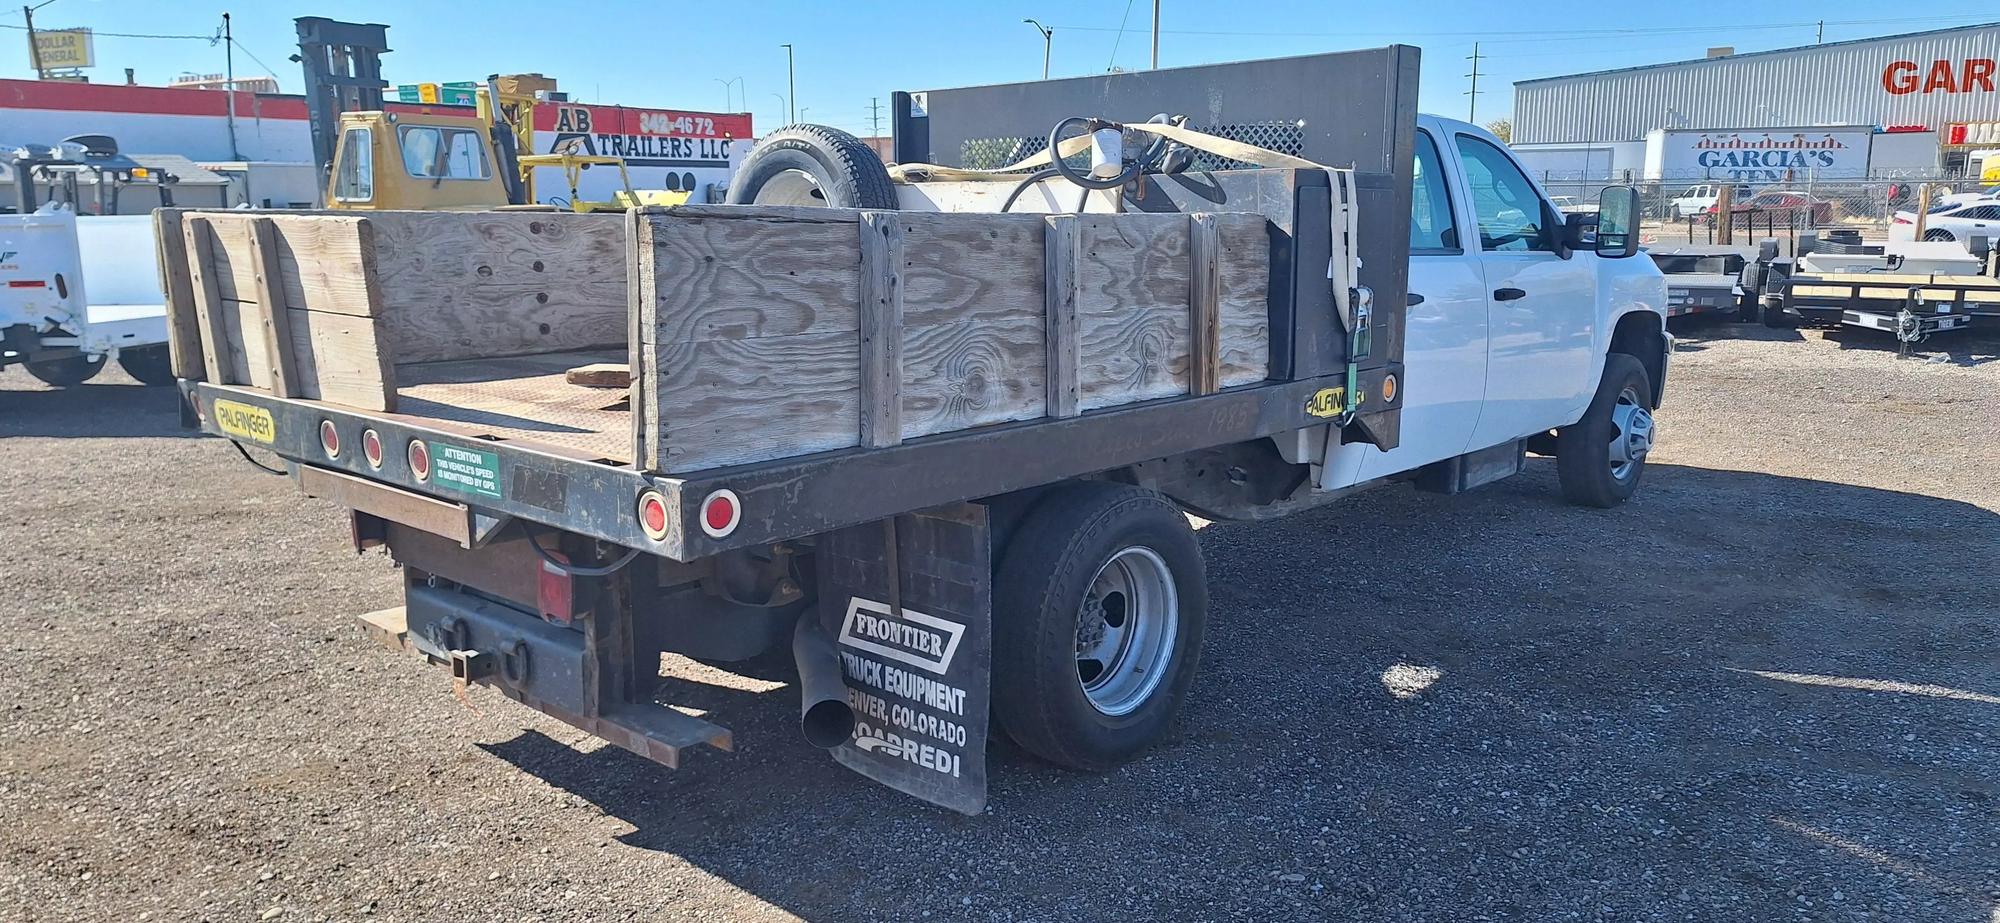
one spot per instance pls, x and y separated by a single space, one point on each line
1631 433
1126 629
791 187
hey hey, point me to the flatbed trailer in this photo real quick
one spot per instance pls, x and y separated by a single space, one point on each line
714 430
1704 279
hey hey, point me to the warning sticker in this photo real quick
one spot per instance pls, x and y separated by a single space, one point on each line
466 470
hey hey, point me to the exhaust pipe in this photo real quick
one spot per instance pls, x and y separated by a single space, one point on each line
824 714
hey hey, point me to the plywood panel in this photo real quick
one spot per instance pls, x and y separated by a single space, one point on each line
964 268
724 402
1131 308
457 285
973 373
1245 307
243 357
738 278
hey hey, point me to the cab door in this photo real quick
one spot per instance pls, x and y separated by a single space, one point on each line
1444 338
1541 309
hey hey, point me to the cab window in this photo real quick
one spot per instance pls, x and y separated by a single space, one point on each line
1432 226
356 181
442 153
1509 210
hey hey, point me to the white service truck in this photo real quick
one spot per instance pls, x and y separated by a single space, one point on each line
79 291
934 430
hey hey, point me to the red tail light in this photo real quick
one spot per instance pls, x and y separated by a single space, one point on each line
420 460
371 448
1902 220
720 513
329 438
653 515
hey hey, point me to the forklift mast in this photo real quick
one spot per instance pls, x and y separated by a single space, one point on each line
343 73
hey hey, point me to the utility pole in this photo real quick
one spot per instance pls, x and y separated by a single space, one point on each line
791 82
1819 33
875 116
1048 38
229 82
1472 108
1156 34
34 50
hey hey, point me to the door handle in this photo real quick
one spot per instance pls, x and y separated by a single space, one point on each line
1508 294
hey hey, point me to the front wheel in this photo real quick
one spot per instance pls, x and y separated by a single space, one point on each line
1100 602
69 372
1600 457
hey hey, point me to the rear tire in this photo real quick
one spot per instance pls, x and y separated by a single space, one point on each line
1772 313
1098 574
812 165
150 365
1588 452
67 373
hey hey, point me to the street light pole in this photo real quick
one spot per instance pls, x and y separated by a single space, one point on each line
1156 34
1048 38
725 89
791 81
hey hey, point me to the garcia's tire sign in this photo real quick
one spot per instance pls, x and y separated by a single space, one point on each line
916 655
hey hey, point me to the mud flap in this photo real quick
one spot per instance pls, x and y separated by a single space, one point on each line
916 652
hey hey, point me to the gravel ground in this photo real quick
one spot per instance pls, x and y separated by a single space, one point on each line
1767 689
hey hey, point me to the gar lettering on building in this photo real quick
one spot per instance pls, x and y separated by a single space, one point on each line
1916 105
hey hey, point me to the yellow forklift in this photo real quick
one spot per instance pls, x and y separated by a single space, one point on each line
377 160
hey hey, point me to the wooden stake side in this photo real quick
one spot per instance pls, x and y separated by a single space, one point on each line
1204 304
1059 291
881 328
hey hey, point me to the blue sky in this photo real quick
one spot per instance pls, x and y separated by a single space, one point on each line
674 55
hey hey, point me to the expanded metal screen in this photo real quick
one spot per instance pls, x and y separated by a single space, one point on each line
1283 137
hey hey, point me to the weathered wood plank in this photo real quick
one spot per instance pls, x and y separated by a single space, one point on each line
1060 256
881 328
272 323
1132 310
797 213
319 260
211 322
641 299
184 353
1204 304
736 278
973 373
727 402
235 278
600 375
1244 347
243 350
340 359
456 285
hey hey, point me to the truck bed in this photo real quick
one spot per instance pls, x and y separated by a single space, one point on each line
522 399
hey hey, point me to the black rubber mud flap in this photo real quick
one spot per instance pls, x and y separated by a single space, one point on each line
918 679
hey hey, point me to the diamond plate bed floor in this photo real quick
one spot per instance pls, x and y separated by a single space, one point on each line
522 399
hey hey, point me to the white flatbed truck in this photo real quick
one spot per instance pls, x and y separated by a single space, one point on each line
942 449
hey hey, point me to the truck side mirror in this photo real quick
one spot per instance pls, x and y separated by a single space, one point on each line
1617 222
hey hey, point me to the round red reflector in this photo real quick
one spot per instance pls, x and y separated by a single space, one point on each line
720 513
420 460
329 438
653 515
371 448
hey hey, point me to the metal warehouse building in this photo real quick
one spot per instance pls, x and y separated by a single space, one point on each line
1934 81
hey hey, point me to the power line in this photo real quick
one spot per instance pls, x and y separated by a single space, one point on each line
260 61
1121 35
211 39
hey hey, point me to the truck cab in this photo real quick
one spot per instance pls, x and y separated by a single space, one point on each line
395 160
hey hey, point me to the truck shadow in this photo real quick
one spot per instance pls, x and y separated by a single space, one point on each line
90 410
1741 696
1693 332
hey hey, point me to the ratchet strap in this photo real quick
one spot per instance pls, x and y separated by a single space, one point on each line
1343 265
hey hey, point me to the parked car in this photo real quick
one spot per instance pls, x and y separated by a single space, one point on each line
1787 205
1957 221
1568 204
1701 199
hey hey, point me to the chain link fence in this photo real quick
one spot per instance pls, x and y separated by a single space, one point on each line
1684 211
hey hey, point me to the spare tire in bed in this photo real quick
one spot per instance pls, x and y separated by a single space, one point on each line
812 165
